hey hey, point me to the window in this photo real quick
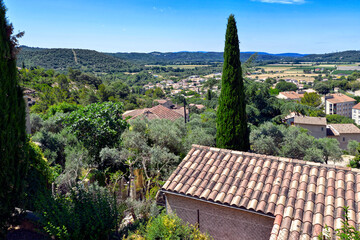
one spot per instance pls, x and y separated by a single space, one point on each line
343 139
322 129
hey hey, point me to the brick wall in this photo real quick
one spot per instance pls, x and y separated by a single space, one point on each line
221 222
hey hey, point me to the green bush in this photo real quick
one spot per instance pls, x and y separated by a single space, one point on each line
355 163
84 214
169 227
39 176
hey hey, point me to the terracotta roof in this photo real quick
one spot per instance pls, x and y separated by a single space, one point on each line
292 95
309 120
157 112
302 196
161 101
198 106
357 106
342 128
181 111
339 98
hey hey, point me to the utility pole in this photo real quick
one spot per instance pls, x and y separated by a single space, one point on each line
185 109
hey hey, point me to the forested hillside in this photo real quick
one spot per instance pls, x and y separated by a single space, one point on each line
62 59
346 56
97 62
194 57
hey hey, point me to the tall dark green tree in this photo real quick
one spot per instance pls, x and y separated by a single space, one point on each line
13 143
232 131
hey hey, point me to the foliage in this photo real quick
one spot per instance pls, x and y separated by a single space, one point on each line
201 130
330 149
261 106
153 146
313 154
353 147
296 143
39 176
311 99
62 59
267 138
346 232
75 161
283 86
355 162
169 227
97 126
322 88
63 107
36 122
293 142
13 141
334 118
232 130
85 214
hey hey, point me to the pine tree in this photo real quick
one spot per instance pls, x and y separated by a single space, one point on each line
13 140
232 131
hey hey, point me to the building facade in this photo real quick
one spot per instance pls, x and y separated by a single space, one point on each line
343 133
315 125
356 113
339 104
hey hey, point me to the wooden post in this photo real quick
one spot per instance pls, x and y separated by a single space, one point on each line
198 218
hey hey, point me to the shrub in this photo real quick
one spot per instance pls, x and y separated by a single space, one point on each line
85 214
355 163
40 174
169 227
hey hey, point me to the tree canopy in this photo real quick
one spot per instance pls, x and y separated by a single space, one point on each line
13 140
232 131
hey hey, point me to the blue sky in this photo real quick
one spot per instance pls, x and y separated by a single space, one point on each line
275 26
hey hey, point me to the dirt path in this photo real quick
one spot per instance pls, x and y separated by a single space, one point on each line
75 58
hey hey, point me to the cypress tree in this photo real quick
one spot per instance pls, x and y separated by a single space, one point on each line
232 131
13 139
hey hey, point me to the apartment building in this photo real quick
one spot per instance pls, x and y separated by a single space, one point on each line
339 104
356 113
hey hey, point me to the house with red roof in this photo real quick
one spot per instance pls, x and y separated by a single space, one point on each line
339 103
241 195
157 112
343 132
290 95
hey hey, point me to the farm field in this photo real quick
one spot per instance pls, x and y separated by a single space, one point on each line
179 66
296 71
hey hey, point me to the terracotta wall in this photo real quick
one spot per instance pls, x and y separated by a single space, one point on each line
221 222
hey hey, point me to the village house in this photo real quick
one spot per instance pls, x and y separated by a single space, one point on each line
290 95
315 125
165 102
241 195
356 113
157 112
338 103
343 133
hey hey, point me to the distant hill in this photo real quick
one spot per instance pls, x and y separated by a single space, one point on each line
93 61
192 57
62 59
346 56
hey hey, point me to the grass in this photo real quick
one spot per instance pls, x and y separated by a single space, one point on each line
347 72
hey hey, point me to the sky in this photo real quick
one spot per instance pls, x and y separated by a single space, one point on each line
274 26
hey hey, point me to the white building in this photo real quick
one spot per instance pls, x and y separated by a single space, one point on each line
356 113
339 104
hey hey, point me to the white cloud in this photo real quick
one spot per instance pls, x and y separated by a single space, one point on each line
282 1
